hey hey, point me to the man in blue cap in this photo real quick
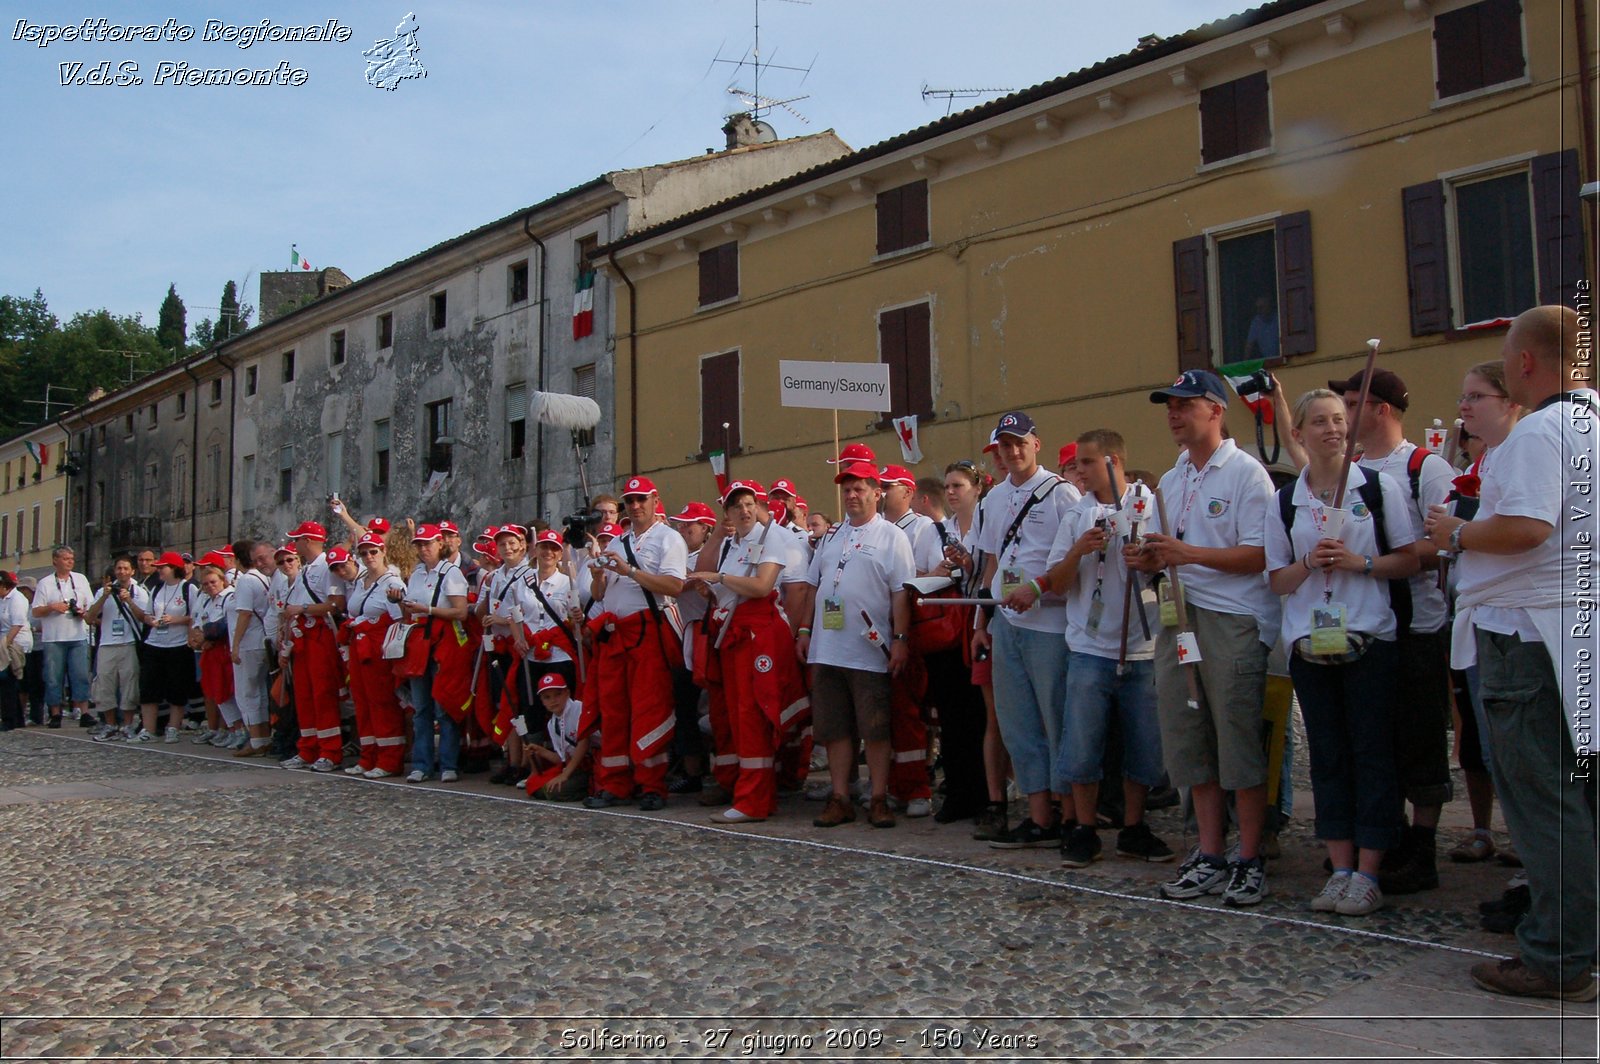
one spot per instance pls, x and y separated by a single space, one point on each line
1216 501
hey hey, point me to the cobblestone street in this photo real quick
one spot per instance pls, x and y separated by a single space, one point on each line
162 903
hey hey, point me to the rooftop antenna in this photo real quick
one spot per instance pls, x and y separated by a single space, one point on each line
756 103
950 96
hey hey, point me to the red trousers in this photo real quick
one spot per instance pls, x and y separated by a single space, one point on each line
764 692
318 674
379 720
633 678
908 733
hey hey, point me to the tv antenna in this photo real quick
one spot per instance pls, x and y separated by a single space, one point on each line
950 96
756 103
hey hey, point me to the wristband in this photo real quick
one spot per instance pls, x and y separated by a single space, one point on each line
1455 539
1305 559
803 631
1038 588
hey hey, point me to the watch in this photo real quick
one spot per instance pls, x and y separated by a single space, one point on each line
1455 539
901 637
1366 567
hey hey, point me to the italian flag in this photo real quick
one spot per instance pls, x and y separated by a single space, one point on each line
39 451
1235 373
719 469
296 260
583 306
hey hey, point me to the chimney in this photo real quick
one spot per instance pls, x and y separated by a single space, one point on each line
741 130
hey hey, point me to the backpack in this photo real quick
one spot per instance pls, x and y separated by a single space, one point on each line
1371 494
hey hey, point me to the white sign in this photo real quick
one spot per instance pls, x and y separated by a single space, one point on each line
834 385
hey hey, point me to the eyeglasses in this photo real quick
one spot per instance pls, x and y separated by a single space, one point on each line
369 552
1473 398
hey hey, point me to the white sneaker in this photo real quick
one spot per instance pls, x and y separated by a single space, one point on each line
131 731
1327 899
919 807
416 775
448 776
172 736
1361 897
222 740
355 770
322 764
203 739
295 762
142 736
377 774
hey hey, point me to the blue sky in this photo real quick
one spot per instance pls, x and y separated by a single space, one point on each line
114 192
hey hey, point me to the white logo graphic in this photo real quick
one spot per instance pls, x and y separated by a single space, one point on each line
763 664
393 61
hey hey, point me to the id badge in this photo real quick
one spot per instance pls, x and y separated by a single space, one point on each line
118 629
1121 523
1168 604
833 615
519 725
1010 580
1328 633
752 554
1097 607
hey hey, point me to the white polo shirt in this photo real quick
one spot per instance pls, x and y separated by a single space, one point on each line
1106 579
794 572
116 629
14 611
210 610
1029 550
445 576
658 550
171 601
557 590
861 566
277 594
315 577
563 729
1435 479
745 557
927 550
1223 505
252 595
370 603
63 627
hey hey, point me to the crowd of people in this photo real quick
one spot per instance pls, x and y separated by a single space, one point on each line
1089 639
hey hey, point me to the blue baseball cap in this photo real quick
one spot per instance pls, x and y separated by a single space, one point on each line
1015 423
1194 384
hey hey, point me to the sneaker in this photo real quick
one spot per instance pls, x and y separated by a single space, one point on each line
1515 979
652 802
416 775
1029 836
88 720
55 721
105 735
734 816
295 762
323 764
355 770
1081 848
919 807
131 730
142 736
1138 842
1198 875
601 800
241 739
686 785
1362 895
171 736
222 740
991 823
448 776
377 774
1247 884
203 739
1328 898
837 811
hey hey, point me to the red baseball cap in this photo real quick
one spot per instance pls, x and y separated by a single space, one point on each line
993 444
609 529
857 471
212 557
552 681
309 530
854 452
783 486
638 486
449 527
336 556
173 560
549 537
1069 453
898 475
800 503
486 549
380 525
511 530
426 533
287 548
697 511
226 550
371 539
752 486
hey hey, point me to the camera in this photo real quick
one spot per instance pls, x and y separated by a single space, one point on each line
74 609
578 527
1258 383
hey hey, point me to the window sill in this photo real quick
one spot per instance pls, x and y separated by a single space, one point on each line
1234 160
1478 94
718 305
885 256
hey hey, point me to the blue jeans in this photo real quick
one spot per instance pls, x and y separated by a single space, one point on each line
425 714
1030 687
1093 689
68 662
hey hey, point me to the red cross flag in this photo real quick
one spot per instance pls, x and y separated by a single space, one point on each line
905 430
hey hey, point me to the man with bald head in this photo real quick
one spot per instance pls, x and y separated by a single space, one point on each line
1525 617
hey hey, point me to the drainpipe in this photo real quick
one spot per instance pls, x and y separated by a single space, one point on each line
1580 20
233 421
194 471
544 304
633 364
66 502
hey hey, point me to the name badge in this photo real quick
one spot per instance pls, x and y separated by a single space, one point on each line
1167 604
1328 632
118 629
833 615
488 642
1010 580
1097 607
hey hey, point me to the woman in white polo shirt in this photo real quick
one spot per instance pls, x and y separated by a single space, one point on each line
167 671
1337 619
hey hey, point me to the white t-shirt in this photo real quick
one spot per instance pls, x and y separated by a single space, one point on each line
370 603
116 629
1105 579
172 601
253 596
693 607
658 550
744 557
557 590
927 550
209 610
794 571
63 627
446 575
1434 481
1223 505
315 576
1028 553
14 611
563 729
860 566
969 543
500 589
1365 599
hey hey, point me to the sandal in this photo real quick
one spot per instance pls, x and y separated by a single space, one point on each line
1475 847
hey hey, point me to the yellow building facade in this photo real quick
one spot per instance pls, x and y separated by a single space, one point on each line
1071 247
33 499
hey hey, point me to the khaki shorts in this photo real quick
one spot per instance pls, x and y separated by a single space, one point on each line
1221 741
849 704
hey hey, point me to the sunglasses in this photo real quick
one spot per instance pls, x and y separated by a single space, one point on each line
369 552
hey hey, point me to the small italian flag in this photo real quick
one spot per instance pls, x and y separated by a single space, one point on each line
719 469
1236 373
296 260
39 451
583 306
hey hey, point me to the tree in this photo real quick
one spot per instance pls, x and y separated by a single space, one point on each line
232 318
172 325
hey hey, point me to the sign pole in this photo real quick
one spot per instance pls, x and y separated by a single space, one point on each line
838 492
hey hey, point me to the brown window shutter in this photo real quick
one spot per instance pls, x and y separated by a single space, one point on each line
1500 41
1297 320
1194 322
1252 121
729 273
889 237
708 276
914 214
719 401
892 352
919 361
1427 260
1459 53
1218 133
1558 226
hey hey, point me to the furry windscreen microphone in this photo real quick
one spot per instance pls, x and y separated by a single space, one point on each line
564 411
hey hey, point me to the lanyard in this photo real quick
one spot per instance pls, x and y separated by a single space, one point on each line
850 547
1189 497
172 599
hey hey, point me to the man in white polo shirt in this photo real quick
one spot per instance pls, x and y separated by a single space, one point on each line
60 603
1525 617
1021 516
1216 502
116 665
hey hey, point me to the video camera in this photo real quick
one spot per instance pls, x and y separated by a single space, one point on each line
578 527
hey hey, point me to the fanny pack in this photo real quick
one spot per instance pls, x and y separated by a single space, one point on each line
1356 644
